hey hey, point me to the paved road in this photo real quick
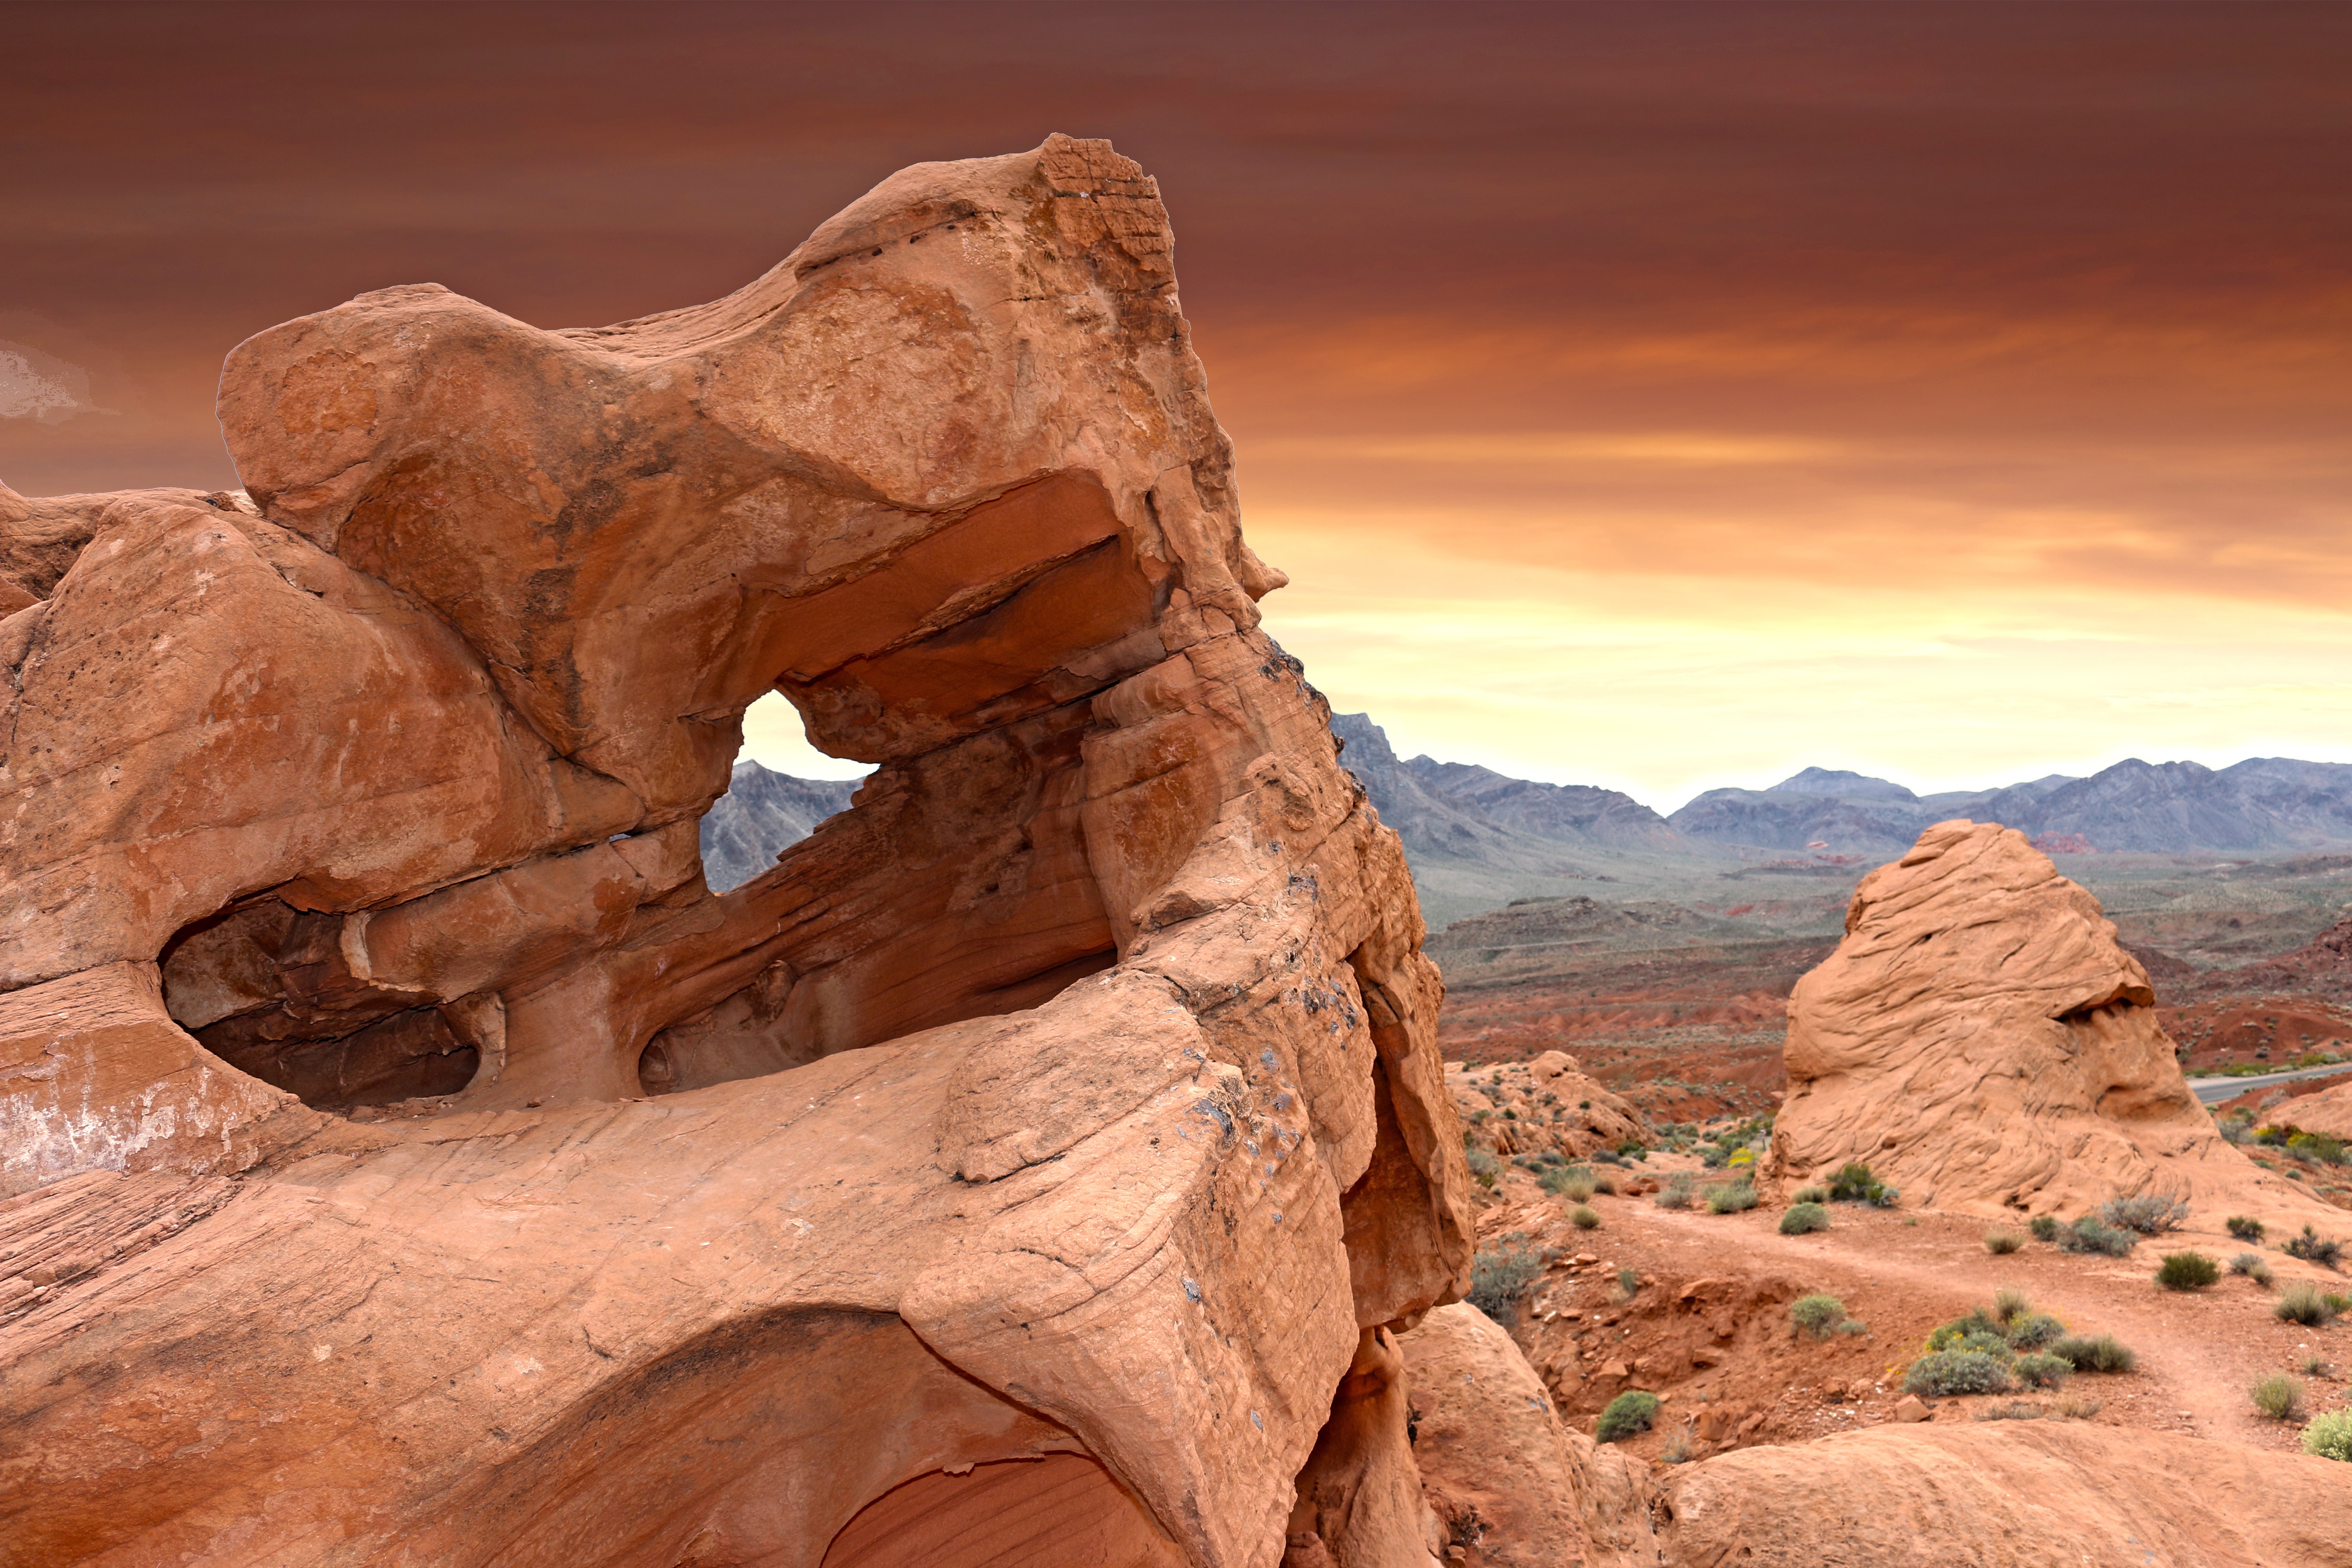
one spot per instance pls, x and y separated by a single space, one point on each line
2212 1090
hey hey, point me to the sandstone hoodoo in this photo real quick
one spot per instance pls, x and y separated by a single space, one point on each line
415 1162
1981 1042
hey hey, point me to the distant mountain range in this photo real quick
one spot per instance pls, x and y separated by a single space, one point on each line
1478 838
762 814
1457 811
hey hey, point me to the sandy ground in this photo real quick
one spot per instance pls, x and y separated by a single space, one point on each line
1903 1274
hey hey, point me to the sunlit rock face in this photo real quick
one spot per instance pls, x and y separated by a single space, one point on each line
410 1160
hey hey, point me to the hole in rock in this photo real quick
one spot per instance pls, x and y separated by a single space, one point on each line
1062 1510
267 989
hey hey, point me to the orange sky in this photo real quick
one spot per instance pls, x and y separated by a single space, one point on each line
1650 394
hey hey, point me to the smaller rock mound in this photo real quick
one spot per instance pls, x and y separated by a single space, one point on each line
2019 1493
1547 1106
1982 1042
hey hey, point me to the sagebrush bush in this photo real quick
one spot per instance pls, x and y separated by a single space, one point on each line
1677 1194
2147 1213
2105 1353
1731 1197
2001 1242
1802 1219
2244 1229
1956 1372
1485 1169
2302 1304
2278 1396
1815 1194
1499 1276
2043 1226
1583 1218
2040 1371
1573 1183
2033 1330
2252 1266
2187 1271
1854 1183
2329 1435
1629 1414
2087 1234
1817 1314
2314 1247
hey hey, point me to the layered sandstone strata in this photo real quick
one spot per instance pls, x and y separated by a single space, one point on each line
415 1162
1982 1042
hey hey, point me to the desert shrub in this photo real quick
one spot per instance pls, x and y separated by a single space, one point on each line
2339 1305
1817 1314
1677 1194
1802 1219
2001 1242
1854 1184
2105 1353
1732 1197
1499 1276
1604 1183
1583 1218
2043 1226
2316 1146
1485 1169
1977 1323
2034 1330
2244 1229
2147 1213
2077 1407
1677 1449
2252 1266
2278 1395
2314 1247
2041 1371
1573 1183
2009 1304
1629 1283
2187 1271
1629 1414
2301 1304
2011 1410
1815 1194
2087 1234
1956 1372
1950 1337
2313 1366
2329 1435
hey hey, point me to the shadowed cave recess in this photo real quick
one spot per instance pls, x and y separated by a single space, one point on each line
1033 1166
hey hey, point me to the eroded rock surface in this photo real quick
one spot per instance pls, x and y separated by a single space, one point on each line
2008 1494
1982 1042
418 1163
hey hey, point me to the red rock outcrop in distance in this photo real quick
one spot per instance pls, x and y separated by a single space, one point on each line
1982 1042
414 1163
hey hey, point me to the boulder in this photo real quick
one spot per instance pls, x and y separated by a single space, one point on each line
415 1160
1502 1471
2008 1494
1981 1042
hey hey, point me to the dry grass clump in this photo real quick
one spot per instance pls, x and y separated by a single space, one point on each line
2253 1266
2302 1303
2278 1395
1583 1218
2147 1213
2104 1353
2001 1242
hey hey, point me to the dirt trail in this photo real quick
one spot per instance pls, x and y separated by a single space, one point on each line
1906 1273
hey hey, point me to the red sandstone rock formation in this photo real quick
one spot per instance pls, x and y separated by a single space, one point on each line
1982 1042
1547 1105
2021 1494
413 1161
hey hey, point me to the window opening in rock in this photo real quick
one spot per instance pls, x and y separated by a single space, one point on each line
781 787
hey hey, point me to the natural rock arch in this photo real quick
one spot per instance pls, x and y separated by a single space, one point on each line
1112 1087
